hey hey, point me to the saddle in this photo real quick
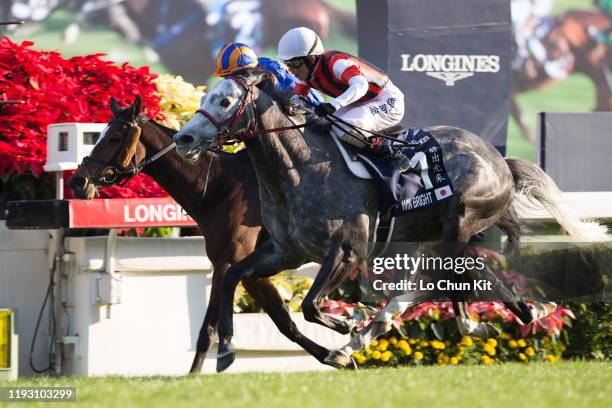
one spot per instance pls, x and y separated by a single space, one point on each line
352 161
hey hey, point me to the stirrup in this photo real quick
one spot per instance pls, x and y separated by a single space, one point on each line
393 157
402 163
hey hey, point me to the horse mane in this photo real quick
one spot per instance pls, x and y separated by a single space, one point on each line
265 82
168 131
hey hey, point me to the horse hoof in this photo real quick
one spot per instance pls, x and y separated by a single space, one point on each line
492 330
541 310
485 331
225 359
338 359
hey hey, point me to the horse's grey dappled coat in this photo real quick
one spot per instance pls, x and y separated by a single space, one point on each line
316 211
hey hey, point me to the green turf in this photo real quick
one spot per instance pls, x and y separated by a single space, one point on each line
567 384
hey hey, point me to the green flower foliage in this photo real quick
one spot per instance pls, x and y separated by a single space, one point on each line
590 335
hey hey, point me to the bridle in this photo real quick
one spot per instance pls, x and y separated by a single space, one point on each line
111 174
225 128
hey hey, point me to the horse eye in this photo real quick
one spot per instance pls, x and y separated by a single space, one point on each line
225 102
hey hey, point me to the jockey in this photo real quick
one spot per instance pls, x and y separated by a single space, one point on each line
363 94
236 56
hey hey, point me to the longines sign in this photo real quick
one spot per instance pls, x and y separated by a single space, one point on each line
451 62
127 212
450 68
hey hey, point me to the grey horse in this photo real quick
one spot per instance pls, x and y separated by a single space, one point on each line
316 211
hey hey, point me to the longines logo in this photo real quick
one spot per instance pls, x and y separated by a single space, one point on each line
450 68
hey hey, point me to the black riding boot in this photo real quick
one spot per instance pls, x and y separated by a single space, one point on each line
393 156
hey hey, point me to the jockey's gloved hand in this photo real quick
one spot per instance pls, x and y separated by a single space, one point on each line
324 109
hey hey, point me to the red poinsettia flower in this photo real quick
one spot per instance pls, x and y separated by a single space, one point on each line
58 90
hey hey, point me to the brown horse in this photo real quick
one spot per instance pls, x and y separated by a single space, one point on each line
569 37
219 191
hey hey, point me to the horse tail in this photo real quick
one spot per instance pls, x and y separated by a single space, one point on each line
534 185
347 20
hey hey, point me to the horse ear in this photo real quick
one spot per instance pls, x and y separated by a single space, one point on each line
114 106
136 106
257 77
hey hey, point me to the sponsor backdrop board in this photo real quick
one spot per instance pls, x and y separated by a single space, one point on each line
451 60
566 139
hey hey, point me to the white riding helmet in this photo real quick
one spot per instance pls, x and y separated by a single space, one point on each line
299 42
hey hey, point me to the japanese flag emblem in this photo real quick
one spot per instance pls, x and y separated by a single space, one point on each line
443 192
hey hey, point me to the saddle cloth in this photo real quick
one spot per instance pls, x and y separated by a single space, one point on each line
426 183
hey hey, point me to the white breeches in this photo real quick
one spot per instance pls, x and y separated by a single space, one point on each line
381 112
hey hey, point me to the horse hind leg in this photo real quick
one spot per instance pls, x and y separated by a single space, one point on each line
380 325
468 327
456 234
532 312
510 224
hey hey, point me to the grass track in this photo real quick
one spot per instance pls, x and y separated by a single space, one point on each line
566 384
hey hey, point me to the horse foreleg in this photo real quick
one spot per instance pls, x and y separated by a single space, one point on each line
334 270
265 261
207 331
266 296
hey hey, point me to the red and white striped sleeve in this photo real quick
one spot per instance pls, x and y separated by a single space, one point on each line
347 71
344 68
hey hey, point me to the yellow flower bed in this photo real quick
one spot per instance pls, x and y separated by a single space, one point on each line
179 99
394 350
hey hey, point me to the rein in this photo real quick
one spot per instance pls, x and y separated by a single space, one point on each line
126 173
335 120
226 134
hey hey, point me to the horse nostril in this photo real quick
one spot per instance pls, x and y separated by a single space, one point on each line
185 140
77 182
